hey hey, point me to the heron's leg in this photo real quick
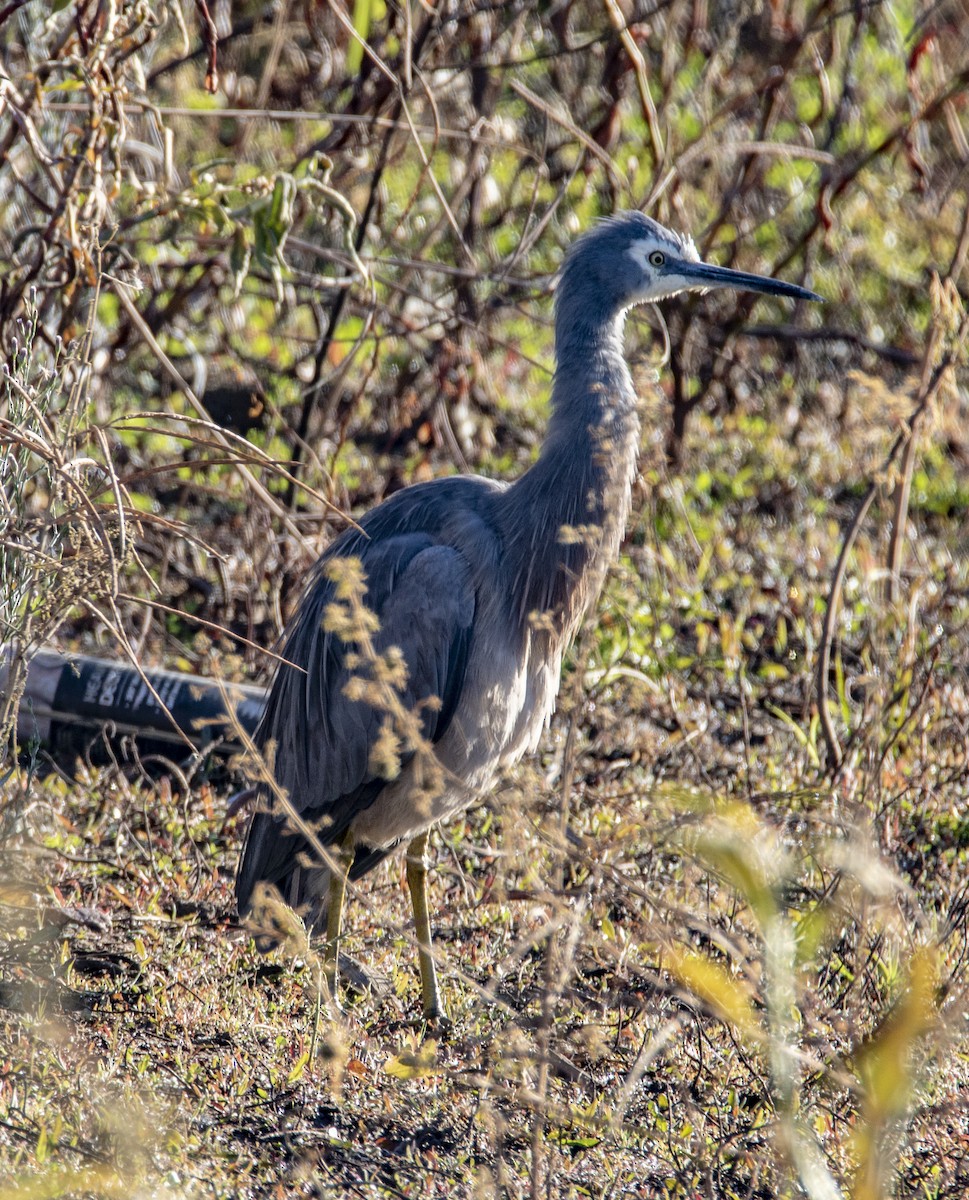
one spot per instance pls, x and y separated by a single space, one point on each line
417 883
336 894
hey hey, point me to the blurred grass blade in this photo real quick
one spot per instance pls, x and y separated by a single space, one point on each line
711 983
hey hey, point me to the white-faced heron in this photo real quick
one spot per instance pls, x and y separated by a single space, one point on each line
481 586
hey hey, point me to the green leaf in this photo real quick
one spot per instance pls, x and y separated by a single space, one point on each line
299 1066
414 1064
362 15
712 984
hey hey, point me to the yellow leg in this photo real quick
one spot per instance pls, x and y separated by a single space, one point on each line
336 894
417 883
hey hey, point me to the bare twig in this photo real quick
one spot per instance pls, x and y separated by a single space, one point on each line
903 485
558 117
211 38
253 484
642 79
833 607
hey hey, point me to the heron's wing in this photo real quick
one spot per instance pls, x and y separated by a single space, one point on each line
319 740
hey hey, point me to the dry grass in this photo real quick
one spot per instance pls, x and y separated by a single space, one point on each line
732 970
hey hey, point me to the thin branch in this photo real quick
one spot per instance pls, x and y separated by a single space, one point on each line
9 9
834 594
795 333
210 36
562 119
642 79
903 486
214 626
830 621
251 482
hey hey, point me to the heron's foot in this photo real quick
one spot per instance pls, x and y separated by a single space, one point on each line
436 1016
330 995
437 1021
334 1005
437 1025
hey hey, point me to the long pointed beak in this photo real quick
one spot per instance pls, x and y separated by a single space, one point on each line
707 276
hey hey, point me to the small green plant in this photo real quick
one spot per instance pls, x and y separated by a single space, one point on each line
765 1001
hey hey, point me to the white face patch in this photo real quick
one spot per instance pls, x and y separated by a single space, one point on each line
661 280
640 251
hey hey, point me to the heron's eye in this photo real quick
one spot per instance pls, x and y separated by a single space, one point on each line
657 258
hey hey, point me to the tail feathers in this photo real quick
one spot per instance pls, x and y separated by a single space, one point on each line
281 870
287 912
279 867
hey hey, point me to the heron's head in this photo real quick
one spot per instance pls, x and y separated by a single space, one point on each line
631 259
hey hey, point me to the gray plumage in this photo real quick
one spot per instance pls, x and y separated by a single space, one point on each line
481 586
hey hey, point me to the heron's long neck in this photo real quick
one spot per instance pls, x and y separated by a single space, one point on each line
565 516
